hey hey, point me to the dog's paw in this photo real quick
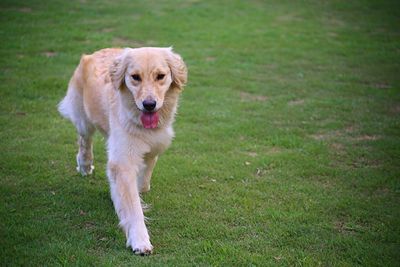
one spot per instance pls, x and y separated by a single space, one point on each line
145 189
85 167
85 170
143 251
140 247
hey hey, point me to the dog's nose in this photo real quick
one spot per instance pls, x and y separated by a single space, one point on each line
149 105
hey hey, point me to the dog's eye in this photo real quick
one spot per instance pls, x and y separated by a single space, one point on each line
160 77
136 77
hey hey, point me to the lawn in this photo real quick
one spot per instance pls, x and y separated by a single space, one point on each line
287 148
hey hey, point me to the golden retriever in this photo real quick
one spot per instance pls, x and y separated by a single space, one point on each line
131 96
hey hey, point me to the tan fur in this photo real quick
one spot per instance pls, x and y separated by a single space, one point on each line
102 94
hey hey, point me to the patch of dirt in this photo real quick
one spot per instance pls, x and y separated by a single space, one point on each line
324 182
252 154
382 85
332 34
332 134
89 225
342 228
296 102
395 110
49 54
25 10
106 30
210 59
383 192
376 85
267 151
367 138
335 22
273 150
246 97
350 129
318 137
364 162
337 147
261 172
288 18
325 136
189 3
270 66
86 41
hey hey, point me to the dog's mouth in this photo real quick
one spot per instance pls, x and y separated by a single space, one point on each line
149 119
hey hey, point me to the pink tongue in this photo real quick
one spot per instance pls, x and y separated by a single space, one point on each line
149 120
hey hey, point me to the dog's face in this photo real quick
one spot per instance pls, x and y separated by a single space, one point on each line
148 74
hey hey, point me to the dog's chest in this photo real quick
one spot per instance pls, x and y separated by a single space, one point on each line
159 141
152 142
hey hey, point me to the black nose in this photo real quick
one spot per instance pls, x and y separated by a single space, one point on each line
149 105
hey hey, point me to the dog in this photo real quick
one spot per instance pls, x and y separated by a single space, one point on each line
130 95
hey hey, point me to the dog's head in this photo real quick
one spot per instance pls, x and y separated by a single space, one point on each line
148 74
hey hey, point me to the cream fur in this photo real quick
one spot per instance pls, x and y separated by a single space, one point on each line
103 95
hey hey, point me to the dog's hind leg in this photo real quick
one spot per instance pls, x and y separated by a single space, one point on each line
72 107
145 177
84 158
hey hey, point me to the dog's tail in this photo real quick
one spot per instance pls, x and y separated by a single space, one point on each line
66 106
72 107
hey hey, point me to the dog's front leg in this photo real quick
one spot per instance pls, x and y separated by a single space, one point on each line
125 195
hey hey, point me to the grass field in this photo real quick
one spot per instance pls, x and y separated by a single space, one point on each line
287 148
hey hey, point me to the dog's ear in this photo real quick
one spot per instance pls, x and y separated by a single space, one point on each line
178 70
118 68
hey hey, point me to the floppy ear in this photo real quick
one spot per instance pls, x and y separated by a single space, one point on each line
178 70
118 68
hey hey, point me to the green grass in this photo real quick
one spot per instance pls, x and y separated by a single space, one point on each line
287 148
